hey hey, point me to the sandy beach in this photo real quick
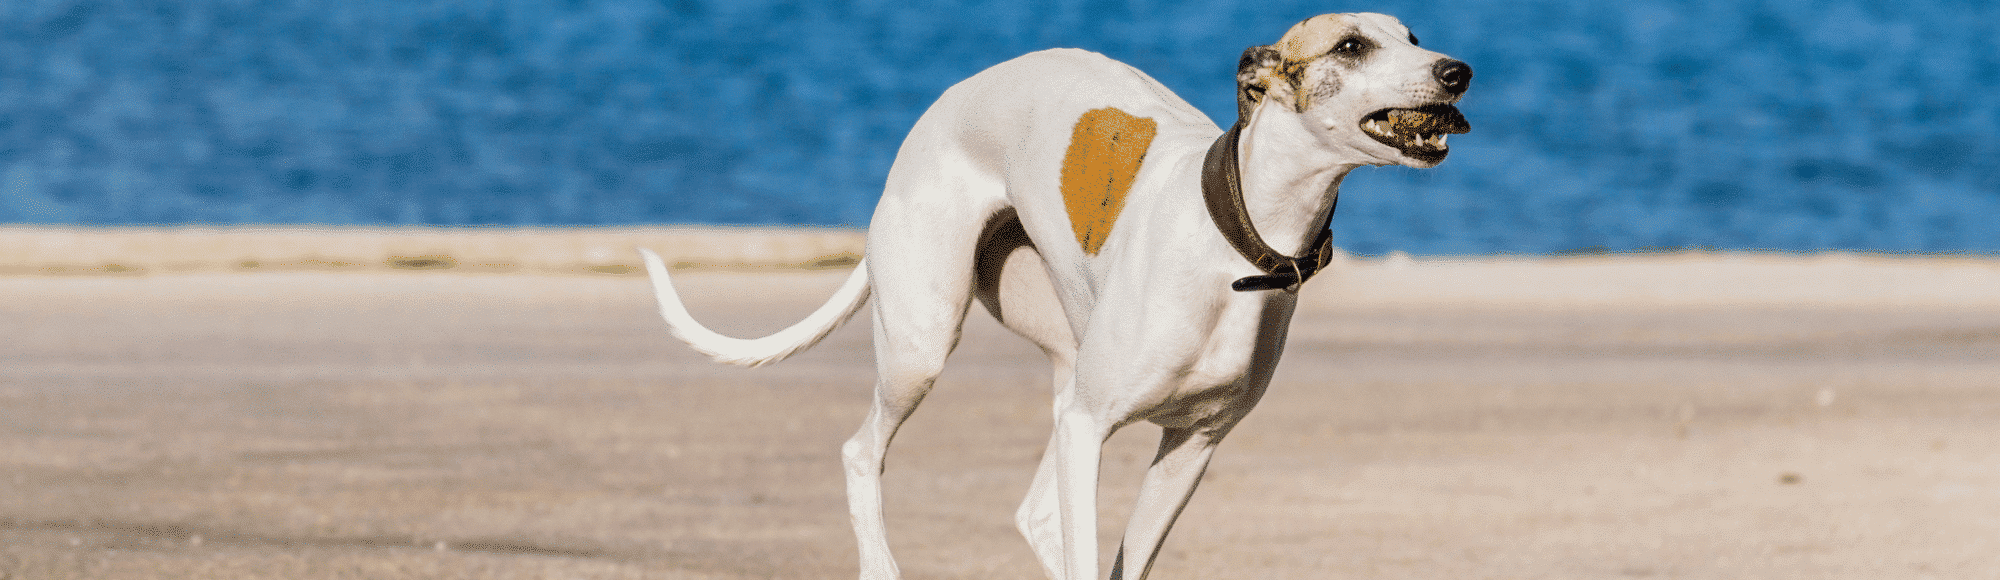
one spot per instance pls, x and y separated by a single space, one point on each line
236 404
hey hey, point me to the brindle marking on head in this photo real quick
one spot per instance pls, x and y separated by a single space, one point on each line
1304 49
1282 68
1314 37
1105 150
1256 76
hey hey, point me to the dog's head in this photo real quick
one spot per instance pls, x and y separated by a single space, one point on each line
1361 82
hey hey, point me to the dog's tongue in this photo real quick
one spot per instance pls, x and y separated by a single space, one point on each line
1432 120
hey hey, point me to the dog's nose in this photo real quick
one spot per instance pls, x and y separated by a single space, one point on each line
1454 75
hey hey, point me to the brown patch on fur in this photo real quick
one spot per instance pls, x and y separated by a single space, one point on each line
1313 37
1105 150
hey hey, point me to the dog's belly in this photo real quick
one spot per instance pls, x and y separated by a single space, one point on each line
1014 286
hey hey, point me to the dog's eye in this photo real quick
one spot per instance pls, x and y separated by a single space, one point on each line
1350 46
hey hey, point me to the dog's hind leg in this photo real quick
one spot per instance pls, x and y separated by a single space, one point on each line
921 248
1037 518
896 396
1014 286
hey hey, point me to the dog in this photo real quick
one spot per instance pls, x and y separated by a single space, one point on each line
1101 217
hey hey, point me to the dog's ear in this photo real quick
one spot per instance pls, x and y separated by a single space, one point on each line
1257 74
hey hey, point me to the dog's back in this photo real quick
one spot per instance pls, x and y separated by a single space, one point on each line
1017 118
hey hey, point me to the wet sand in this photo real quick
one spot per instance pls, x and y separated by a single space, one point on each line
1686 416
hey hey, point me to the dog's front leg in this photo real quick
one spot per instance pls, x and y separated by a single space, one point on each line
1114 386
1176 470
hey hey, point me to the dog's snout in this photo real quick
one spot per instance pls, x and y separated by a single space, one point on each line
1454 75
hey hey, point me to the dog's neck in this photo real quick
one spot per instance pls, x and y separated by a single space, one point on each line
1290 177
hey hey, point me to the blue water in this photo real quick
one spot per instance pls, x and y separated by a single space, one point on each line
1796 125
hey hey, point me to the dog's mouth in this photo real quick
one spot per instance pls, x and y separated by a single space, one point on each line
1419 132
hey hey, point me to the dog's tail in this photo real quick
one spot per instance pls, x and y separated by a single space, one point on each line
760 351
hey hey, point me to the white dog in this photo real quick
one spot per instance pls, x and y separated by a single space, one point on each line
1100 216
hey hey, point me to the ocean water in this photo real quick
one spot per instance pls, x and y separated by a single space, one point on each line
1792 125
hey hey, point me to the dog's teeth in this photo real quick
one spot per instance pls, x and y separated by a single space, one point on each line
1441 139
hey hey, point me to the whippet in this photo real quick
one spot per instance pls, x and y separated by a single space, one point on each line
1098 215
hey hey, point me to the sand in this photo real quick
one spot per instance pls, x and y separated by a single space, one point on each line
1652 416
51 250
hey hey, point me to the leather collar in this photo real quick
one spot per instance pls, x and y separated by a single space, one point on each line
1222 189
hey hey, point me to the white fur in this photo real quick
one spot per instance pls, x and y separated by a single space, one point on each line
1145 330
762 351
